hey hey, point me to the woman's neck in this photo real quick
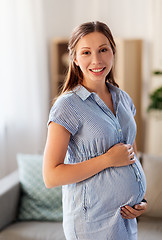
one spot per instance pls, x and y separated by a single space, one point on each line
103 92
99 88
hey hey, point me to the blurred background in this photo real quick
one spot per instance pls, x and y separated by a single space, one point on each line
30 31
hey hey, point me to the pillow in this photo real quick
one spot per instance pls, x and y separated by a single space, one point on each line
152 166
36 201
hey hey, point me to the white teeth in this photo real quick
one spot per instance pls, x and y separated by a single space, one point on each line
97 70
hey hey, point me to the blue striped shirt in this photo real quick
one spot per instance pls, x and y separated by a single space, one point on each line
91 208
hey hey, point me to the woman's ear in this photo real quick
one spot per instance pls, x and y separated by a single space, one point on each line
76 62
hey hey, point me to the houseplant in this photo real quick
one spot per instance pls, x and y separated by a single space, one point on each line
154 120
156 100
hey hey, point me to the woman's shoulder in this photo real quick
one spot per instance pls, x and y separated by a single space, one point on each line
67 103
127 100
65 99
65 112
125 95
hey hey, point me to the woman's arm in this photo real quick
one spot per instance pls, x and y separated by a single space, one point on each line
56 173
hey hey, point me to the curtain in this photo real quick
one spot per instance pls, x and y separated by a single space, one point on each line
23 81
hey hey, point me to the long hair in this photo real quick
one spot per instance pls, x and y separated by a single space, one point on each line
74 75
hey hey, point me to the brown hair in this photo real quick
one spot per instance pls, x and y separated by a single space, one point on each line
74 75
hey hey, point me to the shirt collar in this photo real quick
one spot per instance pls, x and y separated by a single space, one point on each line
83 93
113 88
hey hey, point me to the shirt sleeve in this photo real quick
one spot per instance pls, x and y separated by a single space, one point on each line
64 113
133 109
130 102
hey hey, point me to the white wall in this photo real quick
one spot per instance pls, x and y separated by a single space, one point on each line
157 33
126 18
59 17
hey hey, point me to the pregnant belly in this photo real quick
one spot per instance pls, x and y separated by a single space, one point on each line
112 188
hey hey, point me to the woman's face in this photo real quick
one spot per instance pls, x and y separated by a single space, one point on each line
94 56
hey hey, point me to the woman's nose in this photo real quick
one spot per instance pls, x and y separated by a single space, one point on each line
96 58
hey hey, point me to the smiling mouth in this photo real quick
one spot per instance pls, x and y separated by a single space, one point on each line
97 70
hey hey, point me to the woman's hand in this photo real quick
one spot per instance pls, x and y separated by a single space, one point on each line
128 212
120 155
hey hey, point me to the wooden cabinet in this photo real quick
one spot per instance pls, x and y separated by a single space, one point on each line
127 71
59 64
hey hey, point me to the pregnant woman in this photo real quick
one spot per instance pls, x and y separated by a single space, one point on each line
90 148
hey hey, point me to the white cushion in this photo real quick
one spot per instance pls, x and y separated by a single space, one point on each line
37 202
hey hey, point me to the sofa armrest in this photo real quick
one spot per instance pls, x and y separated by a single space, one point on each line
9 198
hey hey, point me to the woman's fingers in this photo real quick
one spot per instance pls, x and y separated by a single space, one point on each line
131 153
121 155
128 212
141 207
131 156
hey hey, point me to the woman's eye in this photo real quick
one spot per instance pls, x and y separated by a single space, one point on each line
103 50
86 53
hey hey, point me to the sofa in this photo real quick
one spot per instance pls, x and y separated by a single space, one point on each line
29 211
14 227
150 223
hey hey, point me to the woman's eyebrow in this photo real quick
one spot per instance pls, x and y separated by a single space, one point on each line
85 47
104 44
